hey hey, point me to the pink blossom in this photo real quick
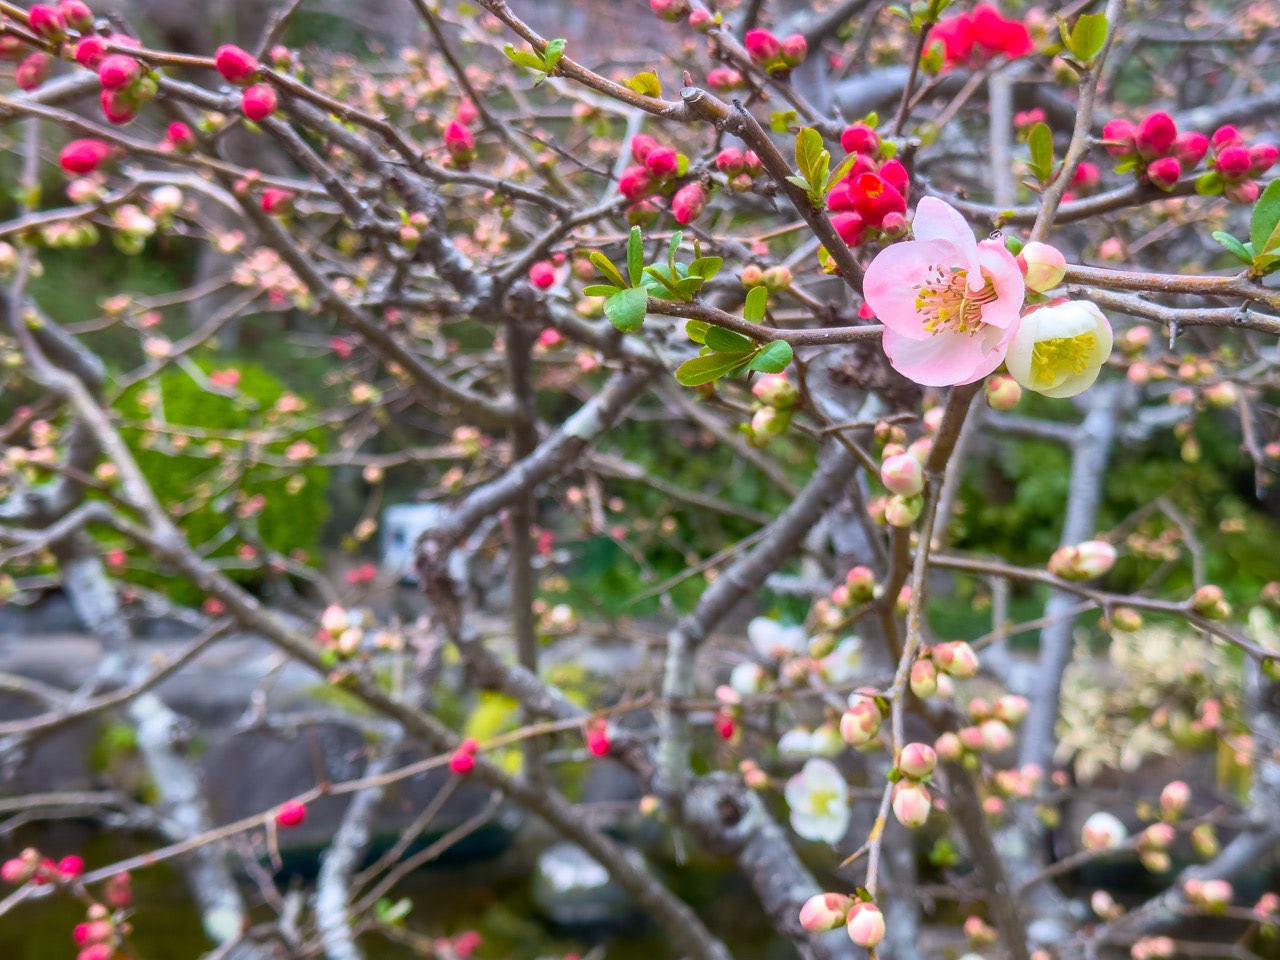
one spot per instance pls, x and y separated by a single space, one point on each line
949 305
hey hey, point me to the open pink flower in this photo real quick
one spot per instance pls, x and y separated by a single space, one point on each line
949 304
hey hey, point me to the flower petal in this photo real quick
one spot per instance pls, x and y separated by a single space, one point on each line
938 220
946 358
1002 269
891 283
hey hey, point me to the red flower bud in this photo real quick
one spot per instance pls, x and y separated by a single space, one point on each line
635 183
730 161
99 951
180 136
83 156
1087 175
76 14
850 227
1246 191
662 162
259 101
462 763
467 113
724 79
1164 173
1120 134
688 202
1155 135
1263 157
32 71
71 867
597 737
118 71
90 51
859 138
236 65
1234 162
290 814
1225 136
276 201
641 145
794 49
754 165
46 22
542 274
1190 148
118 107
762 46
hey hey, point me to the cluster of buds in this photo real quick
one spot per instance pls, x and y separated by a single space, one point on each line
342 631
126 84
911 800
955 658
655 170
100 934
1210 602
974 39
902 474
979 933
50 24
1212 896
1153 847
30 866
740 167
861 919
870 202
1234 166
776 399
773 55
772 279
1154 149
858 588
1084 561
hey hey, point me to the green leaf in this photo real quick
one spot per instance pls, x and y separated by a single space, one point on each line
809 159
839 172
1088 37
697 330
523 57
601 290
551 56
626 309
781 120
757 300
635 256
688 286
773 357
1264 228
676 239
1233 245
1040 140
392 913
700 370
646 84
662 277
706 267
726 341
605 266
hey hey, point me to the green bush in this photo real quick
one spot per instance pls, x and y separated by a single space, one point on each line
217 471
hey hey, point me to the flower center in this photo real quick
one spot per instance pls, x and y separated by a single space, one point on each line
823 802
1055 359
948 305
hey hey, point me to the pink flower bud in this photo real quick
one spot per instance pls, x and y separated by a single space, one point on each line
1210 603
1158 836
83 156
752 276
542 274
461 763
258 101
924 679
903 475
850 227
777 278
1119 135
71 867
1043 265
1155 135
1216 895
180 137
978 932
117 107
911 804
635 183
701 20
1012 708
290 814
794 49
956 659
1085 561
669 10
597 738
725 79
1103 831
99 951
860 138
76 14
1174 799
918 760
824 912
996 736
276 201
861 722
641 144
46 22
895 175
117 71
1245 192
236 65
1002 392
762 46
32 71
865 925
1234 162
861 583
730 161
903 511
1164 173
949 747
775 390
1225 136
1263 157
1087 175
662 162
767 423
688 203
16 871
90 51
1189 148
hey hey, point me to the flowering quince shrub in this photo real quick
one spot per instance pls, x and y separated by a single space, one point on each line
914 367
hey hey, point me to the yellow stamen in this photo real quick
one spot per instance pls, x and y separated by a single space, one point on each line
948 305
1053 360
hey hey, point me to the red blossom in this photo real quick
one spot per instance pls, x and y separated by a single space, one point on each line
236 65
259 101
83 156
